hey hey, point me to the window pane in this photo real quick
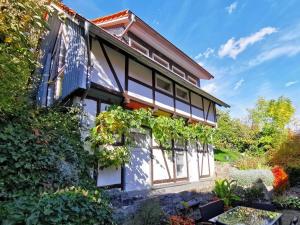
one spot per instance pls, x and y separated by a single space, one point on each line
181 167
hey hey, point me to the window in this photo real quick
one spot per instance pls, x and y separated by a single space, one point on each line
137 46
181 167
192 80
178 71
160 60
182 93
164 84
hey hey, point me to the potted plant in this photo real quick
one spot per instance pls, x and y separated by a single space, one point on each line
224 190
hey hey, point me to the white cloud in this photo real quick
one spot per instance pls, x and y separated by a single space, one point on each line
291 83
238 84
210 88
276 52
233 48
231 7
207 53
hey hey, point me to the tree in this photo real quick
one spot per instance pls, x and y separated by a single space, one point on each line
270 118
233 134
21 26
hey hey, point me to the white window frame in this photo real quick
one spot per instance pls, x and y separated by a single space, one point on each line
192 80
179 72
166 80
185 90
160 59
133 42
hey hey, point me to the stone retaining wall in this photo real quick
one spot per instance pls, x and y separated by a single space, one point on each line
170 197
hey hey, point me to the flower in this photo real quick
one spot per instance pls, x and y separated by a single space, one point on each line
280 179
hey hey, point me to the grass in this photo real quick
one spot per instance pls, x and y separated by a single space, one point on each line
226 155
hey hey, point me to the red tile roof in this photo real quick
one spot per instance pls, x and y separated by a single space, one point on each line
66 9
110 17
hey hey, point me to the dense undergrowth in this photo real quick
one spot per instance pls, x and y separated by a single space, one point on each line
45 171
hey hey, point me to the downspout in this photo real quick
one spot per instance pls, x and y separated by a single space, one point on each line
132 20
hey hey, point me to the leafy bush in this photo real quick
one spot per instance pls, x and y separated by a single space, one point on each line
248 177
68 206
149 213
41 150
288 202
21 26
224 190
288 156
251 161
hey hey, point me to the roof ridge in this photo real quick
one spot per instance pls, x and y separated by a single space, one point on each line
111 16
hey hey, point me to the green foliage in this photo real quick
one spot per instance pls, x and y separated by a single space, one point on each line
112 149
288 202
264 131
224 190
226 155
21 26
288 157
251 161
67 206
149 213
255 192
40 150
269 119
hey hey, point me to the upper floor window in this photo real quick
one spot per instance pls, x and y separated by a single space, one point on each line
164 84
178 72
160 60
182 93
137 46
192 80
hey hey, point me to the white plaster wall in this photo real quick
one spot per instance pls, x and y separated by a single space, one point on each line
100 72
204 163
139 91
182 108
211 160
196 100
210 110
140 72
138 173
118 61
163 101
197 113
159 167
193 162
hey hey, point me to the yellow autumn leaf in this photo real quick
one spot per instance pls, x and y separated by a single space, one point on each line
8 40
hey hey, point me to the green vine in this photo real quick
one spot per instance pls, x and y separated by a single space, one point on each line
112 149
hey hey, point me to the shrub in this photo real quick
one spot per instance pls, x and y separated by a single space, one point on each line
288 157
281 179
288 202
246 178
149 213
41 150
224 190
68 206
247 162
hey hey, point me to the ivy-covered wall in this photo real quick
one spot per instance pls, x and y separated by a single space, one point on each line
45 171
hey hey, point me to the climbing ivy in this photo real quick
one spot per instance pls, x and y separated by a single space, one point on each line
108 140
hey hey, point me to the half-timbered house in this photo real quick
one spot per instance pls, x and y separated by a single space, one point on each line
119 59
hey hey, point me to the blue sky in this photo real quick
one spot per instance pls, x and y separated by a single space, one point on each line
252 47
